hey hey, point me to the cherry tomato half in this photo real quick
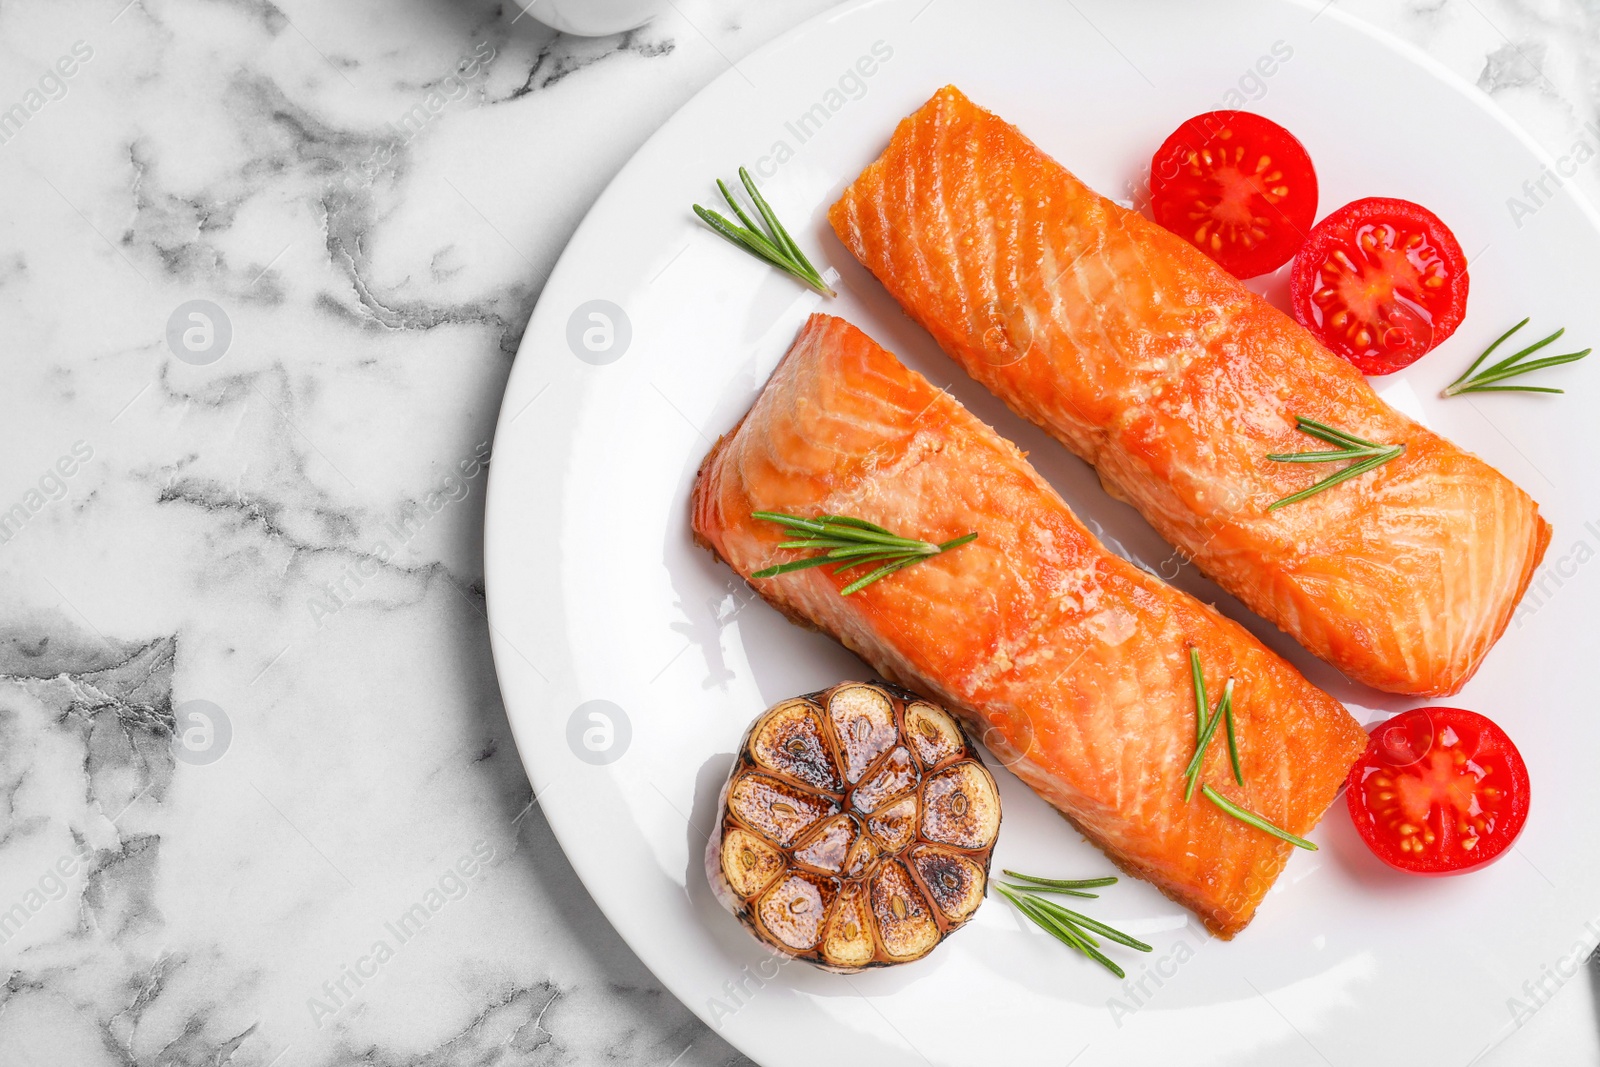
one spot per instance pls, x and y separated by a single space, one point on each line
1238 187
1380 281
1438 791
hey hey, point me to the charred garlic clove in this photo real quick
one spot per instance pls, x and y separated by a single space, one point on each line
855 828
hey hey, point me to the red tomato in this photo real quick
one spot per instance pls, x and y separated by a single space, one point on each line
1380 281
1438 791
1236 186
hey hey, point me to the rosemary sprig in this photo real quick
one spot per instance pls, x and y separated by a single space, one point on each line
1371 455
1084 923
1067 926
1208 729
775 245
1066 933
1202 735
1205 724
851 542
1248 816
1191 774
1487 381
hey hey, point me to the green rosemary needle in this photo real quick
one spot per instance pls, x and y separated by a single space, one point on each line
1370 455
1488 380
1065 925
775 245
1053 889
1233 743
1248 816
1060 883
1201 704
851 542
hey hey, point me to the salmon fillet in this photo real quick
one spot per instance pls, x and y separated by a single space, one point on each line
1153 364
1069 663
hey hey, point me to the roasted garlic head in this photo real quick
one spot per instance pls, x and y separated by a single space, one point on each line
855 828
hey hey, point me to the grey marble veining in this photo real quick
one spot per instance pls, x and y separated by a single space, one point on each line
277 555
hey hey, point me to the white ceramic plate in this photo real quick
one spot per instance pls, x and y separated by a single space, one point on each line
596 592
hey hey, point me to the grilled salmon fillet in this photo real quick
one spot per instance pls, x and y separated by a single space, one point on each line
1155 365
1069 663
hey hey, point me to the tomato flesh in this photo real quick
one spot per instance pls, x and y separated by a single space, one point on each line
1438 791
1381 282
1238 187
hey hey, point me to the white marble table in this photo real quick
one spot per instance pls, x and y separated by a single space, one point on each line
344 864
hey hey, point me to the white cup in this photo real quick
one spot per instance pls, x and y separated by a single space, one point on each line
595 18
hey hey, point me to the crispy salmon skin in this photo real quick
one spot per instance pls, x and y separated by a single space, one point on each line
1153 364
1069 663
